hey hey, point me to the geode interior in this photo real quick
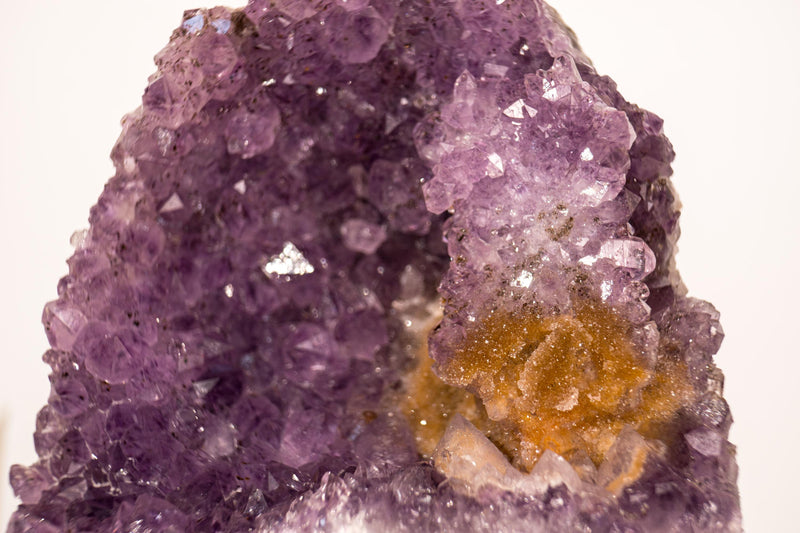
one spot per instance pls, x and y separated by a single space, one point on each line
381 265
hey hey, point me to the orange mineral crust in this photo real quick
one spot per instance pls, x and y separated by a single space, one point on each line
531 382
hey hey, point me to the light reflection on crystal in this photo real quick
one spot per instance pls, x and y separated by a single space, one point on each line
494 168
221 25
290 262
194 24
173 203
523 280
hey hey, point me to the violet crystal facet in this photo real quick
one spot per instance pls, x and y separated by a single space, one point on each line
381 265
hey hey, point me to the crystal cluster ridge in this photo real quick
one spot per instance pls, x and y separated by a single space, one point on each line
381 265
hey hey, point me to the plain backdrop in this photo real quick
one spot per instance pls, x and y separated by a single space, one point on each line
722 73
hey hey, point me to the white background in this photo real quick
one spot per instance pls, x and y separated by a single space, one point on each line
724 74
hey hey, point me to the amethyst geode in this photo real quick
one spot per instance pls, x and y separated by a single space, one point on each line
381 265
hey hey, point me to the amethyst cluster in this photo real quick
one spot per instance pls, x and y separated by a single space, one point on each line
307 188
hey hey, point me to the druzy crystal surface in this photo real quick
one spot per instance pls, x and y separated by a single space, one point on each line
381 265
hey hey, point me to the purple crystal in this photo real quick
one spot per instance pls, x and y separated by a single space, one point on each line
303 185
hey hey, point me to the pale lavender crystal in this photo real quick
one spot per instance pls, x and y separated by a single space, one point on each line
301 179
362 236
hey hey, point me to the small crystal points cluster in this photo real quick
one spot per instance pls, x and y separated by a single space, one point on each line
381 265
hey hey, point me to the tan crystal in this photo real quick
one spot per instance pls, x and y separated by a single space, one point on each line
568 383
